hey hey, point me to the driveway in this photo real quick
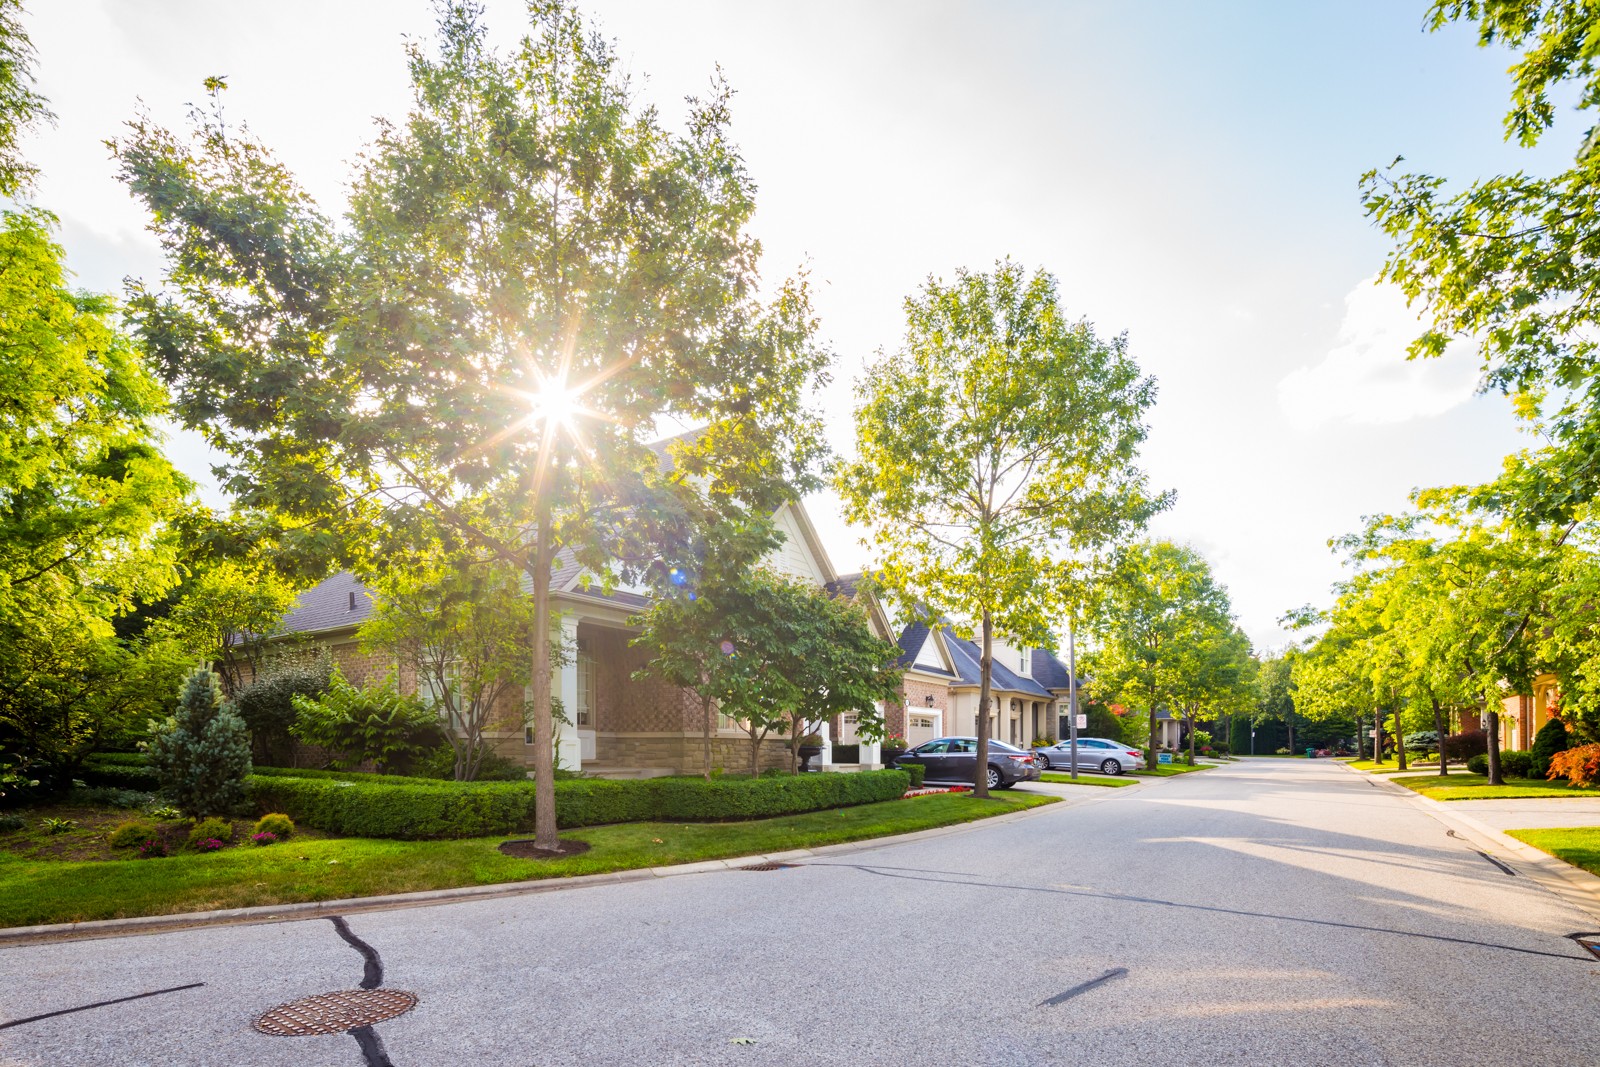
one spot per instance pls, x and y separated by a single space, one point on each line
1266 912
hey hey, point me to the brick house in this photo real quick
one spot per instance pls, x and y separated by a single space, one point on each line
622 725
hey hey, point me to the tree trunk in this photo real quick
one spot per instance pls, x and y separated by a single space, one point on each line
755 754
705 736
1494 749
545 834
1288 720
1399 740
1438 731
980 770
1188 721
1377 736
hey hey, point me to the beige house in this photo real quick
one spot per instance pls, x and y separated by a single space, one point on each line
1028 698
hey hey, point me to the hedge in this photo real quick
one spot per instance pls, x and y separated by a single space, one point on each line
390 806
120 770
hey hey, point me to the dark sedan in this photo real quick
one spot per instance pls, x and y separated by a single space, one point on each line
953 759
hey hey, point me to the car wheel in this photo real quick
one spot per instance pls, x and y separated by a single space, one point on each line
1042 760
1110 766
993 778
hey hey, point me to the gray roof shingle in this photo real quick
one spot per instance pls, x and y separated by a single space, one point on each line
332 603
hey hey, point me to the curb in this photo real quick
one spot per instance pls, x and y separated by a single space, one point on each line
1574 885
313 909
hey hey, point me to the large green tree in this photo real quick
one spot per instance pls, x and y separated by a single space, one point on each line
533 272
995 448
1510 263
1163 616
86 498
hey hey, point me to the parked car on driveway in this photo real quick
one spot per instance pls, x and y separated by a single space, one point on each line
1094 754
953 759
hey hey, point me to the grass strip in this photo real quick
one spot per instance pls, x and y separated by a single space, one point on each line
1083 779
1578 845
1167 770
1462 786
57 891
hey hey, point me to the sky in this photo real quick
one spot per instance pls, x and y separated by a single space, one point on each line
1187 171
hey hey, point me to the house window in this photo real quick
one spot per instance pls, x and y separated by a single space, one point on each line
851 718
584 716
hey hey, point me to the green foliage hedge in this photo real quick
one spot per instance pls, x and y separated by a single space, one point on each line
119 776
391 806
1551 738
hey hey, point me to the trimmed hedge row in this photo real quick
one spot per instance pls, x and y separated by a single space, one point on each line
387 806
119 773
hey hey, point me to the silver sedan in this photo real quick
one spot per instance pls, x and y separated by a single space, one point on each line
1094 754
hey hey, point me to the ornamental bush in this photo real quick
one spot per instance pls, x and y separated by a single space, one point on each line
131 833
277 824
1551 738
390 806
267 704
201 756
1465 745
377 725
917 772
1514 763
210 830
1478 764
1580 766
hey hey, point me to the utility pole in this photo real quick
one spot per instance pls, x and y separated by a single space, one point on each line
1072 699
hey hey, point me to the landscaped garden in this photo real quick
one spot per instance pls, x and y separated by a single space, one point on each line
1459 785
60 865
1083 779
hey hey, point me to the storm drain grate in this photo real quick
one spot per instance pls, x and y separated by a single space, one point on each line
1588 941
766 867
334 1013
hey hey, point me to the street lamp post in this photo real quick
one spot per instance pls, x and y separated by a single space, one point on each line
1072 699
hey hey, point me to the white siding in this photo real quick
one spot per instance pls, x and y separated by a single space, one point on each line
928 654
793 557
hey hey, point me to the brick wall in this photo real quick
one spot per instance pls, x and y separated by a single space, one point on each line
914 694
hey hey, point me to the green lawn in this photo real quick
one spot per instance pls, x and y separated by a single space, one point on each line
1412 767
1167 770
1083 779
1458 785
1579 846
55 891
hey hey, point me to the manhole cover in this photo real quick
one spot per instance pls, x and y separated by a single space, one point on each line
766 867
334 1013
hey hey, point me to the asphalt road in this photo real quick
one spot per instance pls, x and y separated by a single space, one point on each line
1267 912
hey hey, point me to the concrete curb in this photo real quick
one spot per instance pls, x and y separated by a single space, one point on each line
1572 884
149 924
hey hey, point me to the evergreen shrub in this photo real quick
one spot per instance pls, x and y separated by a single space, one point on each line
201 756
1551 738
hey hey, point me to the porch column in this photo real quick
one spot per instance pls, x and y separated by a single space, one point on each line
568 748
871 751
826 757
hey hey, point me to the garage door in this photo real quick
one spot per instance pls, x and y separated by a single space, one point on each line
921 729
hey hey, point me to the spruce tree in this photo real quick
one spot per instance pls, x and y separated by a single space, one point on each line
1551 738
202 754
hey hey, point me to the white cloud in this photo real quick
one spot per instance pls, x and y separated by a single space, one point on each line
1366 377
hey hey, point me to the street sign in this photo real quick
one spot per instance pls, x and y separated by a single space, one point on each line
1083 722
1372 733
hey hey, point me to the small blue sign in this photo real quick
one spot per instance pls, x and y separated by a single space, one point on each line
1165 757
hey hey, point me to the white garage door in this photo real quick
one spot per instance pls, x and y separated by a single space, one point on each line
921 729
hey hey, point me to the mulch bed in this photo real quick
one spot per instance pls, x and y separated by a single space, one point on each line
527 850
